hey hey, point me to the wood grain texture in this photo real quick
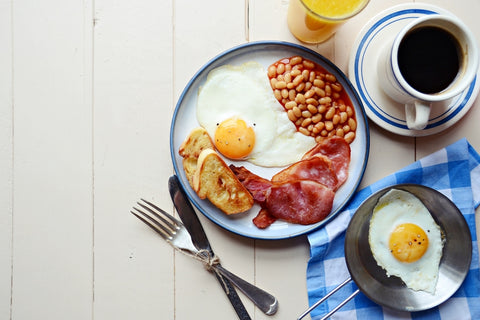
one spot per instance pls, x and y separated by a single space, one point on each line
87 93
52 171
6 158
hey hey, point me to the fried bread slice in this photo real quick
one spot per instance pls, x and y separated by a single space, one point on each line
197 141
215 181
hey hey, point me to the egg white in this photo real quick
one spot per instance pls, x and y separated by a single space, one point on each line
244 92
394 208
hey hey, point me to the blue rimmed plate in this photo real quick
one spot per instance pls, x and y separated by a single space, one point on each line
378 33
184 120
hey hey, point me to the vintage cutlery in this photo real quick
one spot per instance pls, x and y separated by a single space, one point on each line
224 283
175 233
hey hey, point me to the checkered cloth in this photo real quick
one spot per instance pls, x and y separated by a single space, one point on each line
455 172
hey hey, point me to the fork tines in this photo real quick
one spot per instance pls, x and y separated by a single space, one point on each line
157 219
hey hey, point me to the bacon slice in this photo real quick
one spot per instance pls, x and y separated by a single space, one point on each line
338 151
259 188
302 193
300 201
317 168
263 219
257 185
295 201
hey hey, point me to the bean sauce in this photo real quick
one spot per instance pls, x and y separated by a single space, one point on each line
313 98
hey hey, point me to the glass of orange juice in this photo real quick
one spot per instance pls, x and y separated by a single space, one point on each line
314 21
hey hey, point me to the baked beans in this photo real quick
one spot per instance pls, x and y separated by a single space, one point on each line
313 99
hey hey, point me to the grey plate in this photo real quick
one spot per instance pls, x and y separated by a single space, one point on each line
391 291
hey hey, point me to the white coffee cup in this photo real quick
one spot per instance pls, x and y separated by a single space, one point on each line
418 83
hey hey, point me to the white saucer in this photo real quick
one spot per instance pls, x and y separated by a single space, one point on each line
387 113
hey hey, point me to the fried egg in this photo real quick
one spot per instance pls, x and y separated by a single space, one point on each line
405 240
237 107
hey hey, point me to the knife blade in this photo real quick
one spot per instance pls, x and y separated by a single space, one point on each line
192 223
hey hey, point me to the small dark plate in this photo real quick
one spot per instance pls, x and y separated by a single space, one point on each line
391 291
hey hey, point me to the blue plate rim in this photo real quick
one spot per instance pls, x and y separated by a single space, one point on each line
261 45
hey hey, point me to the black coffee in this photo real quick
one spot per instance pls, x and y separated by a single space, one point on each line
429 59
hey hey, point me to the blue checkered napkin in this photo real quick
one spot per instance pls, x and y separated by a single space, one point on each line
455 172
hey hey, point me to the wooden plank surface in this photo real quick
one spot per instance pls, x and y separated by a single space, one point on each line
6 160
87 93
133 76
52 153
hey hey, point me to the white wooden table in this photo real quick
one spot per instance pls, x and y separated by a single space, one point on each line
87 92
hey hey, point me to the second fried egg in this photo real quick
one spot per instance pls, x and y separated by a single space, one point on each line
238 100
405 240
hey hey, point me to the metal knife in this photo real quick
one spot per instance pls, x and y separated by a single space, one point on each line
194 227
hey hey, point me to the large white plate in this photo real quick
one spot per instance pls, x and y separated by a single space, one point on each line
184 120
378 33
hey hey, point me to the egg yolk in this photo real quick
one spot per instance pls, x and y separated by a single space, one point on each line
408 242
234 139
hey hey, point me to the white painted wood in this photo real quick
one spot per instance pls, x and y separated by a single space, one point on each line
52 172
281 268
133 76
202 31
87 92
6 160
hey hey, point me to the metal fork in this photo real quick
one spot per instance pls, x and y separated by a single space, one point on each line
175 233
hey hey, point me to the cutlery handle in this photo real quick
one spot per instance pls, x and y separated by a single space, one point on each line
233 297
344 302
263 300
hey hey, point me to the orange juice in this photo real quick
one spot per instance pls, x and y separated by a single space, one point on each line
314 21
